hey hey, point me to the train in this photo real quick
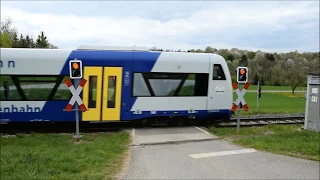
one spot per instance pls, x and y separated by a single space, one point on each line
124 83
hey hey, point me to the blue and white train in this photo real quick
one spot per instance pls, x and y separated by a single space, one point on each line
123 84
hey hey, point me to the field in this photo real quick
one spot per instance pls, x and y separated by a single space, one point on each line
288 140
274 103
279 88
57 156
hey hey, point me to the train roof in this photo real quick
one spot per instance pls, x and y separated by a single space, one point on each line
139 59
23 53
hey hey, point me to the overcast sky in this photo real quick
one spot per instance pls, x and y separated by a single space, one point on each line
266 25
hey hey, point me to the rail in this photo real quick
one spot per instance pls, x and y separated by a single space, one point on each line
260 121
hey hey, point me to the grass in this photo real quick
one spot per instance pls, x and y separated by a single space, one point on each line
288 140
283 88
57 156
274 103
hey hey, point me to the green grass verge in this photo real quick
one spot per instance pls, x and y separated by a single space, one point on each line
288 140
57 156
274 103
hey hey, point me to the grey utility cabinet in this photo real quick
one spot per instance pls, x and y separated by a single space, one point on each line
312 119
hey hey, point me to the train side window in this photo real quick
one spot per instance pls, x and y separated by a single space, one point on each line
8 90
159 84
37 88
62 91
140 87
218 73
112 91
33 88
92 101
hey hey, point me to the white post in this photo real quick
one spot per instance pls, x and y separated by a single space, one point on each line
77 136
238 114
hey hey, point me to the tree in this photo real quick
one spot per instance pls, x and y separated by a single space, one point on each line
251 54
235 53
269 56
295 74
255 79
22 42
262 81
5 41
208 49
51 46
244 60
224 53
198 51
230 57
15 41
6 26
42 41
29 42
315 65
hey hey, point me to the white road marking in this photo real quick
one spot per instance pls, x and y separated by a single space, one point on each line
221 153
203 130
133 132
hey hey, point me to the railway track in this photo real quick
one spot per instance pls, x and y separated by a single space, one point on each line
118 126
261 121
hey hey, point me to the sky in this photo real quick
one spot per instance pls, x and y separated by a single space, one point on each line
273 26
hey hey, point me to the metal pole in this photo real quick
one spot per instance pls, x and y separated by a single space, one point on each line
77 136
258 97
238 114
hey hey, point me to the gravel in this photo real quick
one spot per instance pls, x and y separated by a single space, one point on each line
271 115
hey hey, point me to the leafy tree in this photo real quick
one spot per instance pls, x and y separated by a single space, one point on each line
5 41
208 49
230 57
255 79
251 54
244 60
270 57
224 53
6 26
197 51
276 83
295 74
231 68
262 81
235 53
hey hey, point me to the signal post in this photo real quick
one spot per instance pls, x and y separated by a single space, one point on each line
258 95
75 70
242 78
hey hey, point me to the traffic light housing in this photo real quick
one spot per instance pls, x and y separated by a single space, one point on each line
242 74
75 68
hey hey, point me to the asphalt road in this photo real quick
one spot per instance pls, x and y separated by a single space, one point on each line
190 161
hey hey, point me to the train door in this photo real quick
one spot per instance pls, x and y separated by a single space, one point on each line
219 95
102 93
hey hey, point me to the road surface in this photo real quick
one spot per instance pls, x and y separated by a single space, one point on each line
211 159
